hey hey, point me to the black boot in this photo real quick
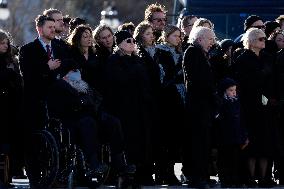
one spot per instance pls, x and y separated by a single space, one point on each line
121 165
125 171
165 175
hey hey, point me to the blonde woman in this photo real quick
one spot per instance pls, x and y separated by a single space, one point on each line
203 22
104 42
252 70
169 57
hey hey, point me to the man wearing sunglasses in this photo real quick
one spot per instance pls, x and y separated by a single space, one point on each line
155 14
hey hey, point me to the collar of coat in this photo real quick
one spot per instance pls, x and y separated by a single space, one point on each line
176 56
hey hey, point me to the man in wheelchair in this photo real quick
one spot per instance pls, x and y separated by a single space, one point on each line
79 109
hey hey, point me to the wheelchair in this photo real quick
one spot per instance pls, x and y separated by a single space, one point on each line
53 158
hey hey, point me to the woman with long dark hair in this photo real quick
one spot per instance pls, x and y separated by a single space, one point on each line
83 52
144 37
11 86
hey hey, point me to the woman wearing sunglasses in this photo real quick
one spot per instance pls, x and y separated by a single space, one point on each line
127 97
252 70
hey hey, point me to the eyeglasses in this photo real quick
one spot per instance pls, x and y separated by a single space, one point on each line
160 19
189 25
259 27
262 39
130 40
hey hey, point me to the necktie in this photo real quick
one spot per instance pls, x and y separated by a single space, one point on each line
48 51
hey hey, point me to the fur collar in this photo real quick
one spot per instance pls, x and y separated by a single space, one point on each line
176 56
232 99
80 85
151 51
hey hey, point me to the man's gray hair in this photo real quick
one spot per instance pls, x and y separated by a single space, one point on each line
198 32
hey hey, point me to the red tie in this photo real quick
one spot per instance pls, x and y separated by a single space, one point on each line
48 51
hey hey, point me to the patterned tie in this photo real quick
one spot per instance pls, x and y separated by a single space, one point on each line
48 51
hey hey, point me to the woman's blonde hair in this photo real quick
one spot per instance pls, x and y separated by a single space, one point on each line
98 30
201 22
251 36
168 30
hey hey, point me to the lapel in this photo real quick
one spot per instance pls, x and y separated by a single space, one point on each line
42 54
55 48
58 48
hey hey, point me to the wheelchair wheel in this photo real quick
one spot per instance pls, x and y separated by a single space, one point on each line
105 159
42 160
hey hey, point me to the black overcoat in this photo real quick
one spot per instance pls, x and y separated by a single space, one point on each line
127 98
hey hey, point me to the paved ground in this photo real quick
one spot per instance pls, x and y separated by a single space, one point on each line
24 183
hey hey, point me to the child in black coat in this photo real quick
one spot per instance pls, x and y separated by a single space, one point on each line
232 137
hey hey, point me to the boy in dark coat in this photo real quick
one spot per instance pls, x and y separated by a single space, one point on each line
232 136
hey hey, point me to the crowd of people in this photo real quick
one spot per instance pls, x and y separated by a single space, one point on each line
157 93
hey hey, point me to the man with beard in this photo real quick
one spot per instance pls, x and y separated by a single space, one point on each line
41 67
60 46
58 19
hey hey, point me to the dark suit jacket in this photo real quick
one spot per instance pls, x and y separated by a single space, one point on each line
37 78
